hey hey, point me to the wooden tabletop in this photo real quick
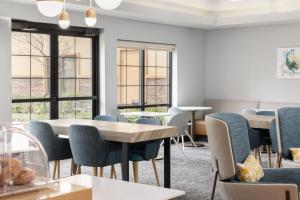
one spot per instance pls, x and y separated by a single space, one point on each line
194 108
111 189
117 131
259 121
148 114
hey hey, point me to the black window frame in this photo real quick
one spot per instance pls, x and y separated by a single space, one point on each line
55 31
142 85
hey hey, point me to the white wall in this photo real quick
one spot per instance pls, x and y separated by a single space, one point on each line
241 63
5 70
189 55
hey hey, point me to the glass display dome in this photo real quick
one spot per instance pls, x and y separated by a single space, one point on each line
23 162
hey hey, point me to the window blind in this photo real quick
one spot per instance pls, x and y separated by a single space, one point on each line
145 45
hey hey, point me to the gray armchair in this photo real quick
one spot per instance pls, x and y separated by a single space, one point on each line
108 118
57 148
229 144
287 132
91 150
144 151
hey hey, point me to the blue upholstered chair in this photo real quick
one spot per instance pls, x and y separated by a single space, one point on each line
145 150
229 144
57 148
289 132
255 136
109 118
266 113
89 149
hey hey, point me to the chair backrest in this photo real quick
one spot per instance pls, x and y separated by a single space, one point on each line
180 121
151 121
108 118
248 112
116 112
150 148
228 142
273 136
87 145
289 129
266 112
174 110
44 133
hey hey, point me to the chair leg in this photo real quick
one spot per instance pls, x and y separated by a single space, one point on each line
278 161
191 139
214 185
72 167
54 170
78 169
259 154
58 169
114 173
178 147
101 172
135 171
269 155
112 169
255 153
182 140
95 171
155 171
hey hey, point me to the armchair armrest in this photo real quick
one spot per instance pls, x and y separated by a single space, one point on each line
258 191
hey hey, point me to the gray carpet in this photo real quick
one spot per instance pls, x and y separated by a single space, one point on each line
191 173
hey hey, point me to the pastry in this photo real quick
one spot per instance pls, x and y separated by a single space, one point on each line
10 168
25 176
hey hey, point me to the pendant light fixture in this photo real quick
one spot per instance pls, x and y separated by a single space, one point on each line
64 18
50 8
108 4
90 16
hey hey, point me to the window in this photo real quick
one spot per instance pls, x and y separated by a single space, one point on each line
30 76
144 79
54 72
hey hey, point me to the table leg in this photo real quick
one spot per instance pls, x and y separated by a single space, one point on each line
167 163
125 162
193 131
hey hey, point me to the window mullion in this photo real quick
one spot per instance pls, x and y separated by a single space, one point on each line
54 76
142 66
170 64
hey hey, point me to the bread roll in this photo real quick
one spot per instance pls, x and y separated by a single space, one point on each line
25 176
10 167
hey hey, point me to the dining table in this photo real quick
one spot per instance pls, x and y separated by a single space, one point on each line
126 134
259 121
104 188
147 114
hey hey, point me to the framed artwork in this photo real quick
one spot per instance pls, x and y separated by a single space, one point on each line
288 63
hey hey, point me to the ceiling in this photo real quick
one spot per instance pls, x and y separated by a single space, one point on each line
204 14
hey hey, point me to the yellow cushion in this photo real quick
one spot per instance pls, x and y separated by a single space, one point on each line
250 171
295 154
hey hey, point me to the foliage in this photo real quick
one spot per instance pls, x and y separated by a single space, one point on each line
290 60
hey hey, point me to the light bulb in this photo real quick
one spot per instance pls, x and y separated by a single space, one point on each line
90 17
50 8
108 4
64 20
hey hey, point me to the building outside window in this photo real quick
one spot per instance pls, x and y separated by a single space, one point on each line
54 72
144 77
